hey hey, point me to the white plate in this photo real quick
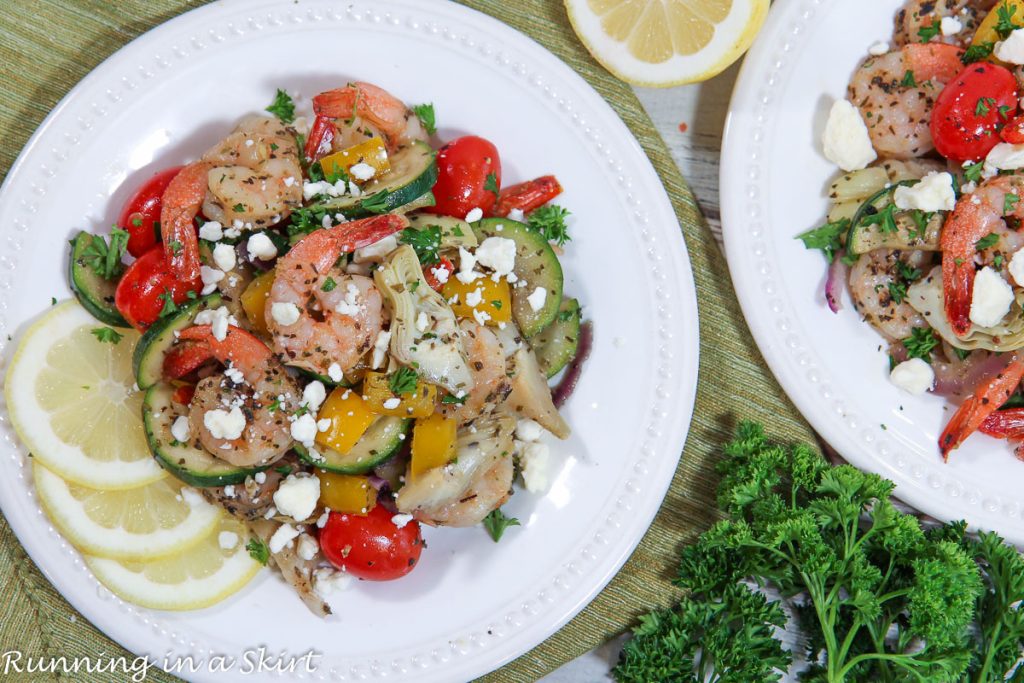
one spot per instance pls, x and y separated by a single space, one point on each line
471 605
774 180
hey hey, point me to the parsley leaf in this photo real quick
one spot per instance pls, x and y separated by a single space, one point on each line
282 107
1005 26
169 307
1009 202
424 242
258 550
977 53
908 80
828 238
972 173
107 334
920 343
898 291
549 221
105 258
496 522
984 106
885 219
926 33
238 207
987 241
402 381
329 284
425 113
908 272
491 184
453 400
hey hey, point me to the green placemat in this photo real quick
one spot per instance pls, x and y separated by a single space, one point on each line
46 47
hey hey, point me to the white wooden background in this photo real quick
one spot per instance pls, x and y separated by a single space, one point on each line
702 108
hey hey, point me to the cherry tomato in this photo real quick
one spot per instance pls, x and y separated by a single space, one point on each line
1013 132
140 293
371 547
971 110
528 196
432 280
143 210
463 167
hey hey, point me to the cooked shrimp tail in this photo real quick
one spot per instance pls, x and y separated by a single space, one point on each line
988 397
180 205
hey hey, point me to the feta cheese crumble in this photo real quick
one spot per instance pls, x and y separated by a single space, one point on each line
400 520
846 140
467 262
362 171
261 247
951 26
380 349
1011 50
392 403
1016 267
528 430
992 298
284 313
537 298
535 462
218 319
297 495
934 193
328 582
913 376
313 395
282 537
210 277
1003 157
225 424
211 231
180 429
334 372
498 254
307 547
877 50
475 214
224 257
303 430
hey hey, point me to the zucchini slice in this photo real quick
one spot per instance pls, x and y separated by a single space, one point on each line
455 233
381 441
413 174
94 292
556 345
148 359
186 461
863 238
536 266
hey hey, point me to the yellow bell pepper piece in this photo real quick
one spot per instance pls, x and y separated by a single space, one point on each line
492 298
350 417
433 443
986 34
417 401
254 301
347 493
371 152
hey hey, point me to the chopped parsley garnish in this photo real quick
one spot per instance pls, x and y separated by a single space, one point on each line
424 242
885 219
169 307
926 33
425 113
898 291
908 80
549 221
1005 26
977 53
238 207
961 353
105 258
497 304
453 400
282 107
329 284
402 381
274 406
566 316
107 334
307 220
1004 111
984 106
828 238
491 183
921 342
496 522
258 550
175 246
908 272
987 241
376 203
972 173
921 220
997 261
1009 202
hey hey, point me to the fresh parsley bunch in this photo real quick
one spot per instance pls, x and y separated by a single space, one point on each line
878 598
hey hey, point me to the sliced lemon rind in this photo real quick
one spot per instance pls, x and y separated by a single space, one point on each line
134 587
31 421
66 513
731 39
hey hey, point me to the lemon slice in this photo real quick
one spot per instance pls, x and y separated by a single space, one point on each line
150 521
661 43
203 575
73 402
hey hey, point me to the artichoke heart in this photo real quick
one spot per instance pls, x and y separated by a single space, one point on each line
424 332
926 297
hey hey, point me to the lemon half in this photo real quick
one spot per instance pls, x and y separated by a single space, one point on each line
73 402
662 43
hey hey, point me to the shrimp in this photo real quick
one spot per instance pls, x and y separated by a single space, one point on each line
918 15
976 215
476 482
489 370
882 306
896 92
987 398
365 110
251 179
336 325
267 397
